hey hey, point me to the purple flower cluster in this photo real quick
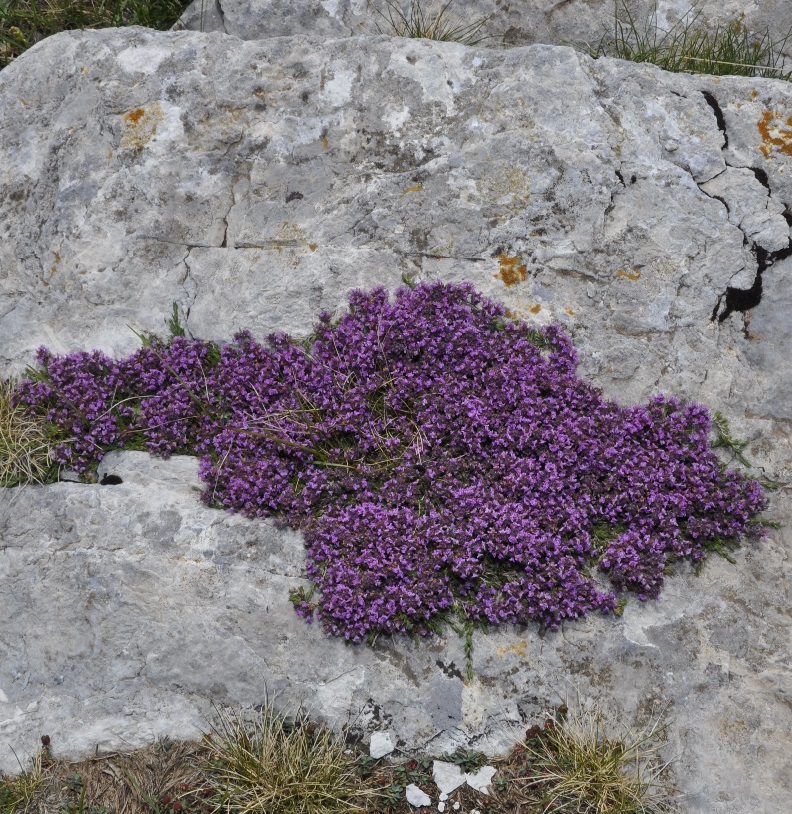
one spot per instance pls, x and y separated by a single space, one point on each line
439 458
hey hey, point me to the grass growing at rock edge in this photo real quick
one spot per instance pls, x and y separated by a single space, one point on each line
282 765
25 443
689 46
417 23
23 23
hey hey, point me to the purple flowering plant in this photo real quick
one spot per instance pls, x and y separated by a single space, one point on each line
443 461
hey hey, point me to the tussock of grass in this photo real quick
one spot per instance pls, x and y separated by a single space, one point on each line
25 443
415 23
582 768
23 23
292 767
688 46
18 793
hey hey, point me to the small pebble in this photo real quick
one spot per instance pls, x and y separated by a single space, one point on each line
456 806
443 797
441 807
416 797
381 745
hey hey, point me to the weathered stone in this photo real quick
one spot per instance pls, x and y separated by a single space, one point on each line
447 777
255 183
416 797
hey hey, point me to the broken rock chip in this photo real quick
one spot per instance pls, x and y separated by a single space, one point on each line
447 776
479 780
381 745
416 797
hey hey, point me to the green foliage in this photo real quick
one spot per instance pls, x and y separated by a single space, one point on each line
468 760
415 23
25 22
688 46
175 328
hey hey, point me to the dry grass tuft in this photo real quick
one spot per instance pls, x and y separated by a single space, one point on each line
17 794
276 764
726 49
579 767
25 443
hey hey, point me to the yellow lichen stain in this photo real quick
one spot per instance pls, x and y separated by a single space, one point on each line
754 94
634 275
569 311
507 186
84 69
511 270
416 188
535 309
324 143
774 137
55 261
141 125
290 238
518 649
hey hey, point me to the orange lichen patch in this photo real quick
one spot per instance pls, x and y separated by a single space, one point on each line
628 275
416 188
535 309
774 137
511 270
569 311
754 94
518 649
313 246
134 116
140 125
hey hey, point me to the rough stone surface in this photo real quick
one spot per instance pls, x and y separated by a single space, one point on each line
255 183
526 22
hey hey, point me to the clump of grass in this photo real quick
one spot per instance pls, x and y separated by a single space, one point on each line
688 46
279 764
579 766
415 23
18 793
23 23
25 442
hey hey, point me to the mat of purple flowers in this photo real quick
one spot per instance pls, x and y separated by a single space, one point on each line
442 460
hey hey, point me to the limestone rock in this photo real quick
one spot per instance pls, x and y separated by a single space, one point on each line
255 183
416 797
381 745
447 776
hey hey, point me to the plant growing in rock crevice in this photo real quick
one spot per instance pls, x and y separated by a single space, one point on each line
442 460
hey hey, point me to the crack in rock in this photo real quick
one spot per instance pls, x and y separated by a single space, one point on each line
743 299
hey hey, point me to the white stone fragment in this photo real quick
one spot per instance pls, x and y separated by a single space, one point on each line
447 776
443 796
441 807
479 780
416 797
456 806
381 745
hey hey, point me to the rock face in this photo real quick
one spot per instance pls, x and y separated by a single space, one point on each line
526 22
255 183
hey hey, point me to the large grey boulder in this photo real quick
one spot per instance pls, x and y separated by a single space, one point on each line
255 183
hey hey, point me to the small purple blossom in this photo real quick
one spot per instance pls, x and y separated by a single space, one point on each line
439 458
